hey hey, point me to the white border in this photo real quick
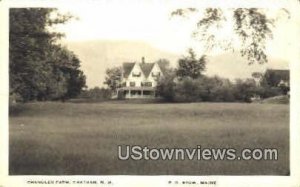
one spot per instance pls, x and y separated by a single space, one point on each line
280 181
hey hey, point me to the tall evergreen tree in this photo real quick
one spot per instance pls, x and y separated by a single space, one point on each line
190 66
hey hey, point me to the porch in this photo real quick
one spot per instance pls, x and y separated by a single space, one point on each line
136 92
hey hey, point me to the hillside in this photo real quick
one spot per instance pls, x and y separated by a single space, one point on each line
97 56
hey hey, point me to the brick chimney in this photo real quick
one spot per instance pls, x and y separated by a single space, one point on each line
143 60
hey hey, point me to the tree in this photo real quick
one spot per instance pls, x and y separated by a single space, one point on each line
113 78
39 67
188 90
270 79
245 89
205 88
166 85
70 67
163 62
250 31
191 67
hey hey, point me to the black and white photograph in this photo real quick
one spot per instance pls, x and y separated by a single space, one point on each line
151 88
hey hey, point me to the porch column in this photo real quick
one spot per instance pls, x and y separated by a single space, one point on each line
129 93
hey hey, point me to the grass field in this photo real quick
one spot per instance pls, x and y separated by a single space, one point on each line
82 138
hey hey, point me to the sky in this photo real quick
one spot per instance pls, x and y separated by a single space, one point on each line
142 21
150 22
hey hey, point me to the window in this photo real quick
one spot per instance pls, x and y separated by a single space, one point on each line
147 93
136 74
156 74
146 84
132 84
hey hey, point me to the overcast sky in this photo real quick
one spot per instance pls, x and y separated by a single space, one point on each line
150 22
142 21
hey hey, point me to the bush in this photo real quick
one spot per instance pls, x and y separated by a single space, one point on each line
217 89
194 90
244 90
96 93
266 92
166 86
188 90
15 98
213 89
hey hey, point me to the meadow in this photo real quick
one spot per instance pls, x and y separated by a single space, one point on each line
53 138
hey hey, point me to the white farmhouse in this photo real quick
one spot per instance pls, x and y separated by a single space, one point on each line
139 79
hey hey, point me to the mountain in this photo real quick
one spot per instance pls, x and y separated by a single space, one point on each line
96 56
232 66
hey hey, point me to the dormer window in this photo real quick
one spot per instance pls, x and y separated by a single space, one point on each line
155 74
136 74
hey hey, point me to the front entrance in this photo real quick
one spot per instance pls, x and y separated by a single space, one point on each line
135 93
132 94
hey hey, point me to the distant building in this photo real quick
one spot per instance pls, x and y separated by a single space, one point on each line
278 77
139 79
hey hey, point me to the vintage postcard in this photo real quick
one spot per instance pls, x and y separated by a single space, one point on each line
150 93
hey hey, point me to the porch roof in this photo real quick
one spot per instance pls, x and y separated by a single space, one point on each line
138 88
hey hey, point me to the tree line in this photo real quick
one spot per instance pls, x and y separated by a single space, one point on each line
252 28
39 67
188 83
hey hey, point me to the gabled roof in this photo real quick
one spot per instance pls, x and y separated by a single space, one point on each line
127 67
162 66
146 68
283 74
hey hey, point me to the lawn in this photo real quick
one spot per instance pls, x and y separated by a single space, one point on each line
52 138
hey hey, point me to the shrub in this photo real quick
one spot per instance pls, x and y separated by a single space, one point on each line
266 92
213 89
244 90
194 90
188 90
96 93
15 98
166 86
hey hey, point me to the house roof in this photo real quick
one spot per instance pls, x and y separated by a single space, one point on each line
146 68
283 74
163 66
127 67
